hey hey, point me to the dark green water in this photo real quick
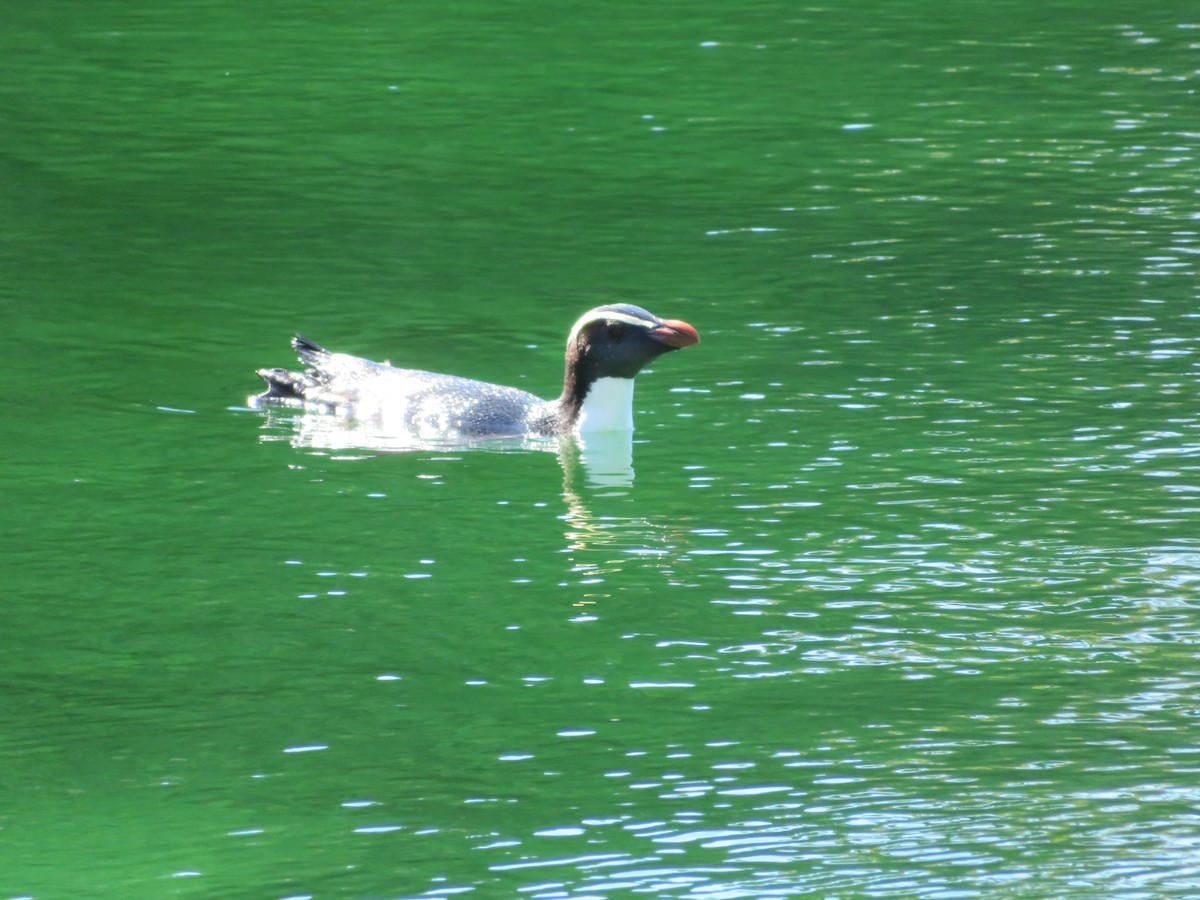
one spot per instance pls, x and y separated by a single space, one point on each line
902 601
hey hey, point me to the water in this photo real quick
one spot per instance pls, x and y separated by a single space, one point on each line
893 596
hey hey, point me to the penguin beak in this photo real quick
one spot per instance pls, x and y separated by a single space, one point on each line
675 334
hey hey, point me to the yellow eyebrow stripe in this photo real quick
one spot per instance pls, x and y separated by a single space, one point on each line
600 313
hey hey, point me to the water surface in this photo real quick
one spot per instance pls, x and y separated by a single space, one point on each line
897 600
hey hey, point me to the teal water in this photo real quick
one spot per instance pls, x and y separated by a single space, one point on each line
899 600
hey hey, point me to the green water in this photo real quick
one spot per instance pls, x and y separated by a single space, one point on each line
900 599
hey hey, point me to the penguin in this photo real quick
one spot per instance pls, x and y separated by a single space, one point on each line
606 348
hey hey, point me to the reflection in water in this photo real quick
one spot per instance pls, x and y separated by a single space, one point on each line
321 431
605 457
599 466
607 533
603 531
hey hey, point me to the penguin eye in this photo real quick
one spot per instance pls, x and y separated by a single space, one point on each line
616 331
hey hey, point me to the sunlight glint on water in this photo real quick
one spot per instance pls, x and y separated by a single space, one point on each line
898 600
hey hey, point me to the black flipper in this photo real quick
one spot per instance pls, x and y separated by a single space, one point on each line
310 352
284 388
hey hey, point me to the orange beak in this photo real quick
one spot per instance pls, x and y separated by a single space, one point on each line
675 334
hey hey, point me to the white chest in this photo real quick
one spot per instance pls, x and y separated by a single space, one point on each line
608 406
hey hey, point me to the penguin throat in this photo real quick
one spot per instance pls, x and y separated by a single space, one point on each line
607 406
